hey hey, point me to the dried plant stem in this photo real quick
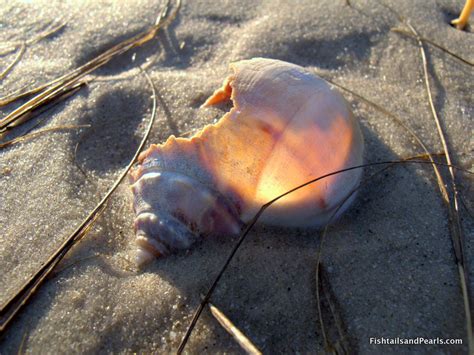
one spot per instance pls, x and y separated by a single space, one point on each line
21 51
66 93
21 349
254 220
40 132
439 178
322 281
434 44
11 308
72 77
11 47
19 94
457 235
235 332
329 346
14 95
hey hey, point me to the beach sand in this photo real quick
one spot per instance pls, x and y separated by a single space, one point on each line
389 260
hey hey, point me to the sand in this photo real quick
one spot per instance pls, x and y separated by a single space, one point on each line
389 260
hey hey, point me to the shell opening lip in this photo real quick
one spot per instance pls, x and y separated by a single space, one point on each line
222 94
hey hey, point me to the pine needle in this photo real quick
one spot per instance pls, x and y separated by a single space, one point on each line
4 73
12 47
457 235
11 308
72 77
255 219
235 332
40 132
434 44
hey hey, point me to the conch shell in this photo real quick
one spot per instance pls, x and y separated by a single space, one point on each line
286 127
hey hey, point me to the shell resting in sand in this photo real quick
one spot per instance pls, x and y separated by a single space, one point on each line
286 127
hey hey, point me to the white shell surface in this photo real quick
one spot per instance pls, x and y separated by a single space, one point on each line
286 127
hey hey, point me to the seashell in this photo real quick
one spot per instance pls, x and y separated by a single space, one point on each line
286 127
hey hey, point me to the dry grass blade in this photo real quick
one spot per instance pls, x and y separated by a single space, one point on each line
254 220
21 93
4 73
72 77
439 178
236 333
15 303
24 92
40 132
11 47
14 95
11 308
330 346
434 44
47 33
66 93
21 349
339 345
457 235
441 184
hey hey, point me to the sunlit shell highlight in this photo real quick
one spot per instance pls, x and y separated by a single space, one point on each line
286 126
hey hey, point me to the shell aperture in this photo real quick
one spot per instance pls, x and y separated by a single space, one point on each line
286 127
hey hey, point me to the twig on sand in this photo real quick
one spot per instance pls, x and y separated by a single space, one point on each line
15 95
340 344
452 205
22 92
21 349
322 281
433 43
72 77
11 308
63 95
12 47
235 332
40 132
415 136
21 51
457 235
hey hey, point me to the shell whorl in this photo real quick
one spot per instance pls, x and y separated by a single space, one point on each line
172 210
286 127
